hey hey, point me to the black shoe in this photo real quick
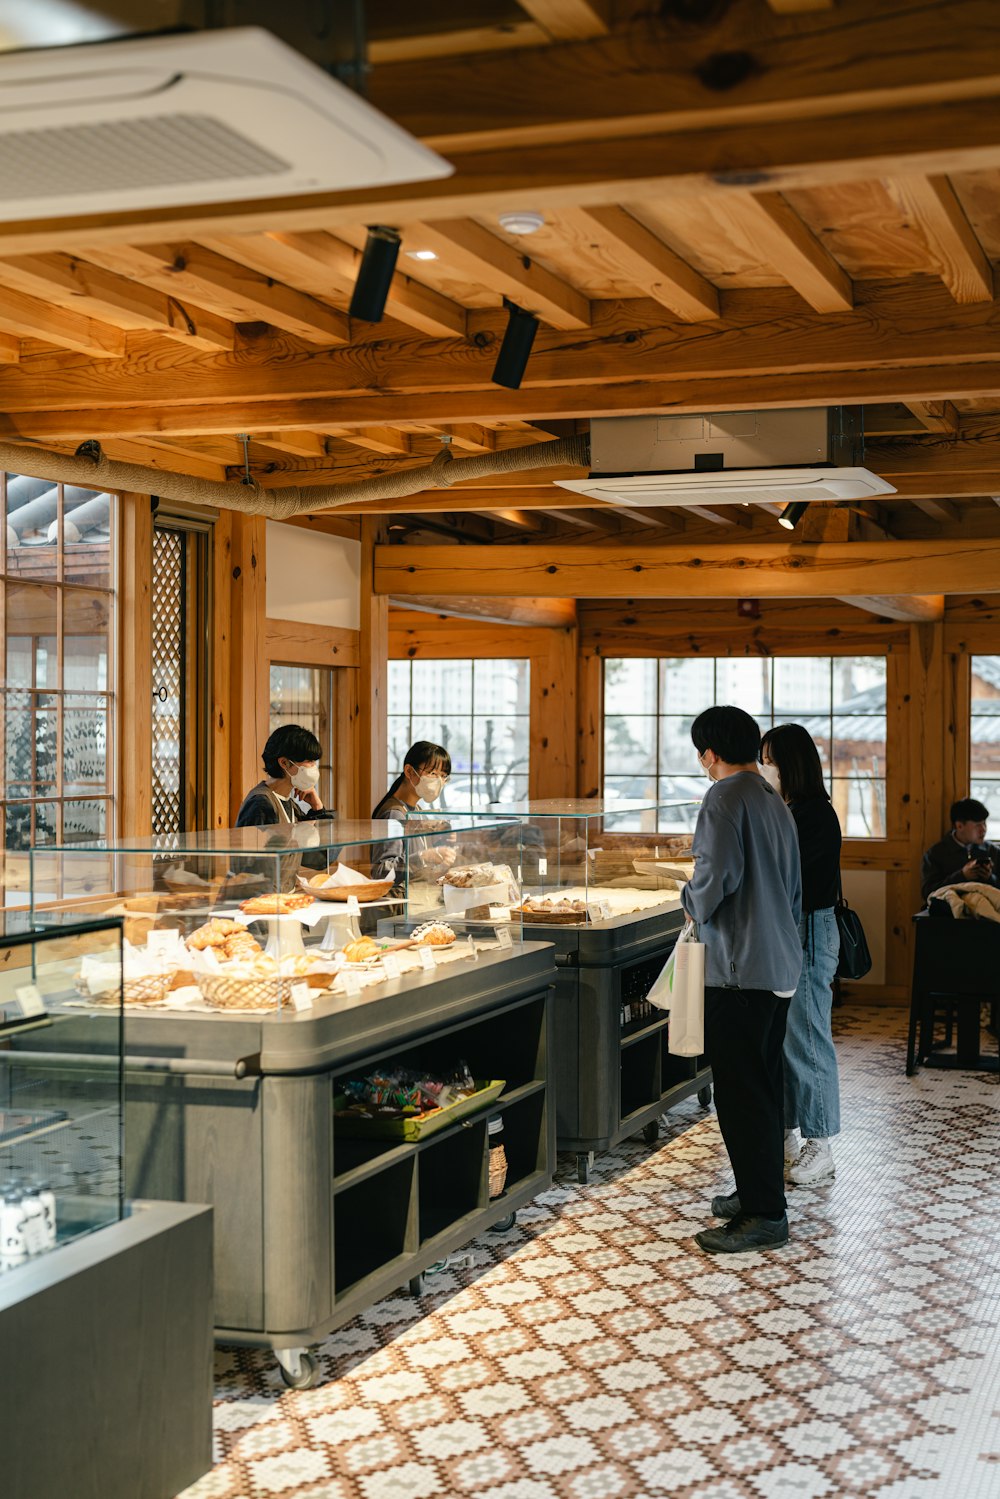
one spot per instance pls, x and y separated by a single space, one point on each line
726 1207
743 1234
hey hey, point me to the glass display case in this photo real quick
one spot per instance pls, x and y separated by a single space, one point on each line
586 861
61 1088
274 919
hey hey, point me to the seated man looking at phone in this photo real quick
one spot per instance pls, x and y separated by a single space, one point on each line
963 854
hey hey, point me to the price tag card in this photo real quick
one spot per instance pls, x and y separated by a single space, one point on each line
164 944
503 936
473 950
427 958
353 906
31 1000
351 981
34 1234
391 966
543 866
605 909
594 911
301 997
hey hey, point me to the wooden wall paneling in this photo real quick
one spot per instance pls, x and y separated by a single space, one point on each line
249 679
135 683
346 707
552 728
590 725
668 627
371 764
414 635
900 811
301 644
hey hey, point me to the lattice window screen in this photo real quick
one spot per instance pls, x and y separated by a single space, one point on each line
169 598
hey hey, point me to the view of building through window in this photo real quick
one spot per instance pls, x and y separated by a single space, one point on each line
479 711
304 695
58 573
650 704
985 732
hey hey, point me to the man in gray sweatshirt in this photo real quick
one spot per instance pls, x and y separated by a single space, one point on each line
745 896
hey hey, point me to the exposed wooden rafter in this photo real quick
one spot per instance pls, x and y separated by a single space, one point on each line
933 205
914 608
781 238
570 20
648 261
470 249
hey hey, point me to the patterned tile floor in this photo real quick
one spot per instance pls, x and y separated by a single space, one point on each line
593 1352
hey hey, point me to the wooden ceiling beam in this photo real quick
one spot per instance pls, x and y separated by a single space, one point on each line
557 614
297 444
637 568
192 273
781 238
647 261
395 49
938 509
385 440
520 520
65 281
915 608
470 250
10 349
323 266
932 205
570 20
29 317
799 7
936 416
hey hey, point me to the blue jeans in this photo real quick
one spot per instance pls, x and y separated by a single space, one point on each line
812 1088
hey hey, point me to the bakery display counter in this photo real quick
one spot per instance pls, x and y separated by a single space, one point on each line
602 882
314 1218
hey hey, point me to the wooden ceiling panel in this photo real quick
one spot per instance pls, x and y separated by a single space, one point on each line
864 229
704 234
979 195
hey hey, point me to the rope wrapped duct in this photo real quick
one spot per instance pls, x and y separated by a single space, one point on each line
94 471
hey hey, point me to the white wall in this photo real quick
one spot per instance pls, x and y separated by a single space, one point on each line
312 577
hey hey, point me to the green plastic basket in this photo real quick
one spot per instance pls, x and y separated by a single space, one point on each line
359 1127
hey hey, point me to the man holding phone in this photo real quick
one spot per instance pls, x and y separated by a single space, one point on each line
963 854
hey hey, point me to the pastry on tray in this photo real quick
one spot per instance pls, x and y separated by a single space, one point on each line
472 877
552 908
214 933
362 889
276 905
433 934
360 950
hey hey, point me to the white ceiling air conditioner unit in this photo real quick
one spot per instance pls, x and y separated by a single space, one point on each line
199 117
729 458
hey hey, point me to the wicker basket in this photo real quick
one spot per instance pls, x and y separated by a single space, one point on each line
225 993
498 1170
370 890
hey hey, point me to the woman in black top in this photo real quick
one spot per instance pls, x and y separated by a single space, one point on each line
291 763
426 768
790 761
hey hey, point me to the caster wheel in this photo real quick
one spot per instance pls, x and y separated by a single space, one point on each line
307 1375
651 1132
504 1225
705 1096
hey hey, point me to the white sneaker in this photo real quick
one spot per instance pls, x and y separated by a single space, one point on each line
791 1150
814 1166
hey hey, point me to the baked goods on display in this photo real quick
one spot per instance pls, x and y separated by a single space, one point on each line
552 908
361 950
473 877
276 905
433 934
330 887
215 933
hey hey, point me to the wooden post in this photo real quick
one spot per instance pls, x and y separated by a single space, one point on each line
249 673
371 779
135 699
590 725
552 723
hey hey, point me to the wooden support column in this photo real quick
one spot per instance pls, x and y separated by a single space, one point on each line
249 677
590 725
135 698
552 763
927 736
371 779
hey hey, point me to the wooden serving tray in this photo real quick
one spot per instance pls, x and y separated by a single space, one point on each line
552 918
372 890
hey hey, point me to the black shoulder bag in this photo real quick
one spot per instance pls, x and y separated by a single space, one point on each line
855 959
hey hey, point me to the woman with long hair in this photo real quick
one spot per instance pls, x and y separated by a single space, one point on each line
425 772
790 761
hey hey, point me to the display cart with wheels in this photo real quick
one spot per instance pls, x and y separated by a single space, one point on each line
601 881
239 1102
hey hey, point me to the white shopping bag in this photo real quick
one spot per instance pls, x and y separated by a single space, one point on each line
680 988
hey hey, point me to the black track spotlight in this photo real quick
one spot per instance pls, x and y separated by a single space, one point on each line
792 514
378 262
515 351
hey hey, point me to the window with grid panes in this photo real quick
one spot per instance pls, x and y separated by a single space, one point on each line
651 703
57 575
304 695
984 746
478 710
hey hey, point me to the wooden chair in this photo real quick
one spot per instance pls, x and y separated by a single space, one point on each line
956 969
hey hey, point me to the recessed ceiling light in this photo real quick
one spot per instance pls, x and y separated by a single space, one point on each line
422 254
524 221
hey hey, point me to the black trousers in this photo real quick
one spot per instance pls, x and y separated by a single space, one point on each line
744 1034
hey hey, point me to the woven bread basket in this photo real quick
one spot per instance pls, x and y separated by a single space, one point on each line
498 1170
224 992
150 990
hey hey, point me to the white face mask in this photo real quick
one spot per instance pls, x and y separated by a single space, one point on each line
771 776
305 778
429 788
706 770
